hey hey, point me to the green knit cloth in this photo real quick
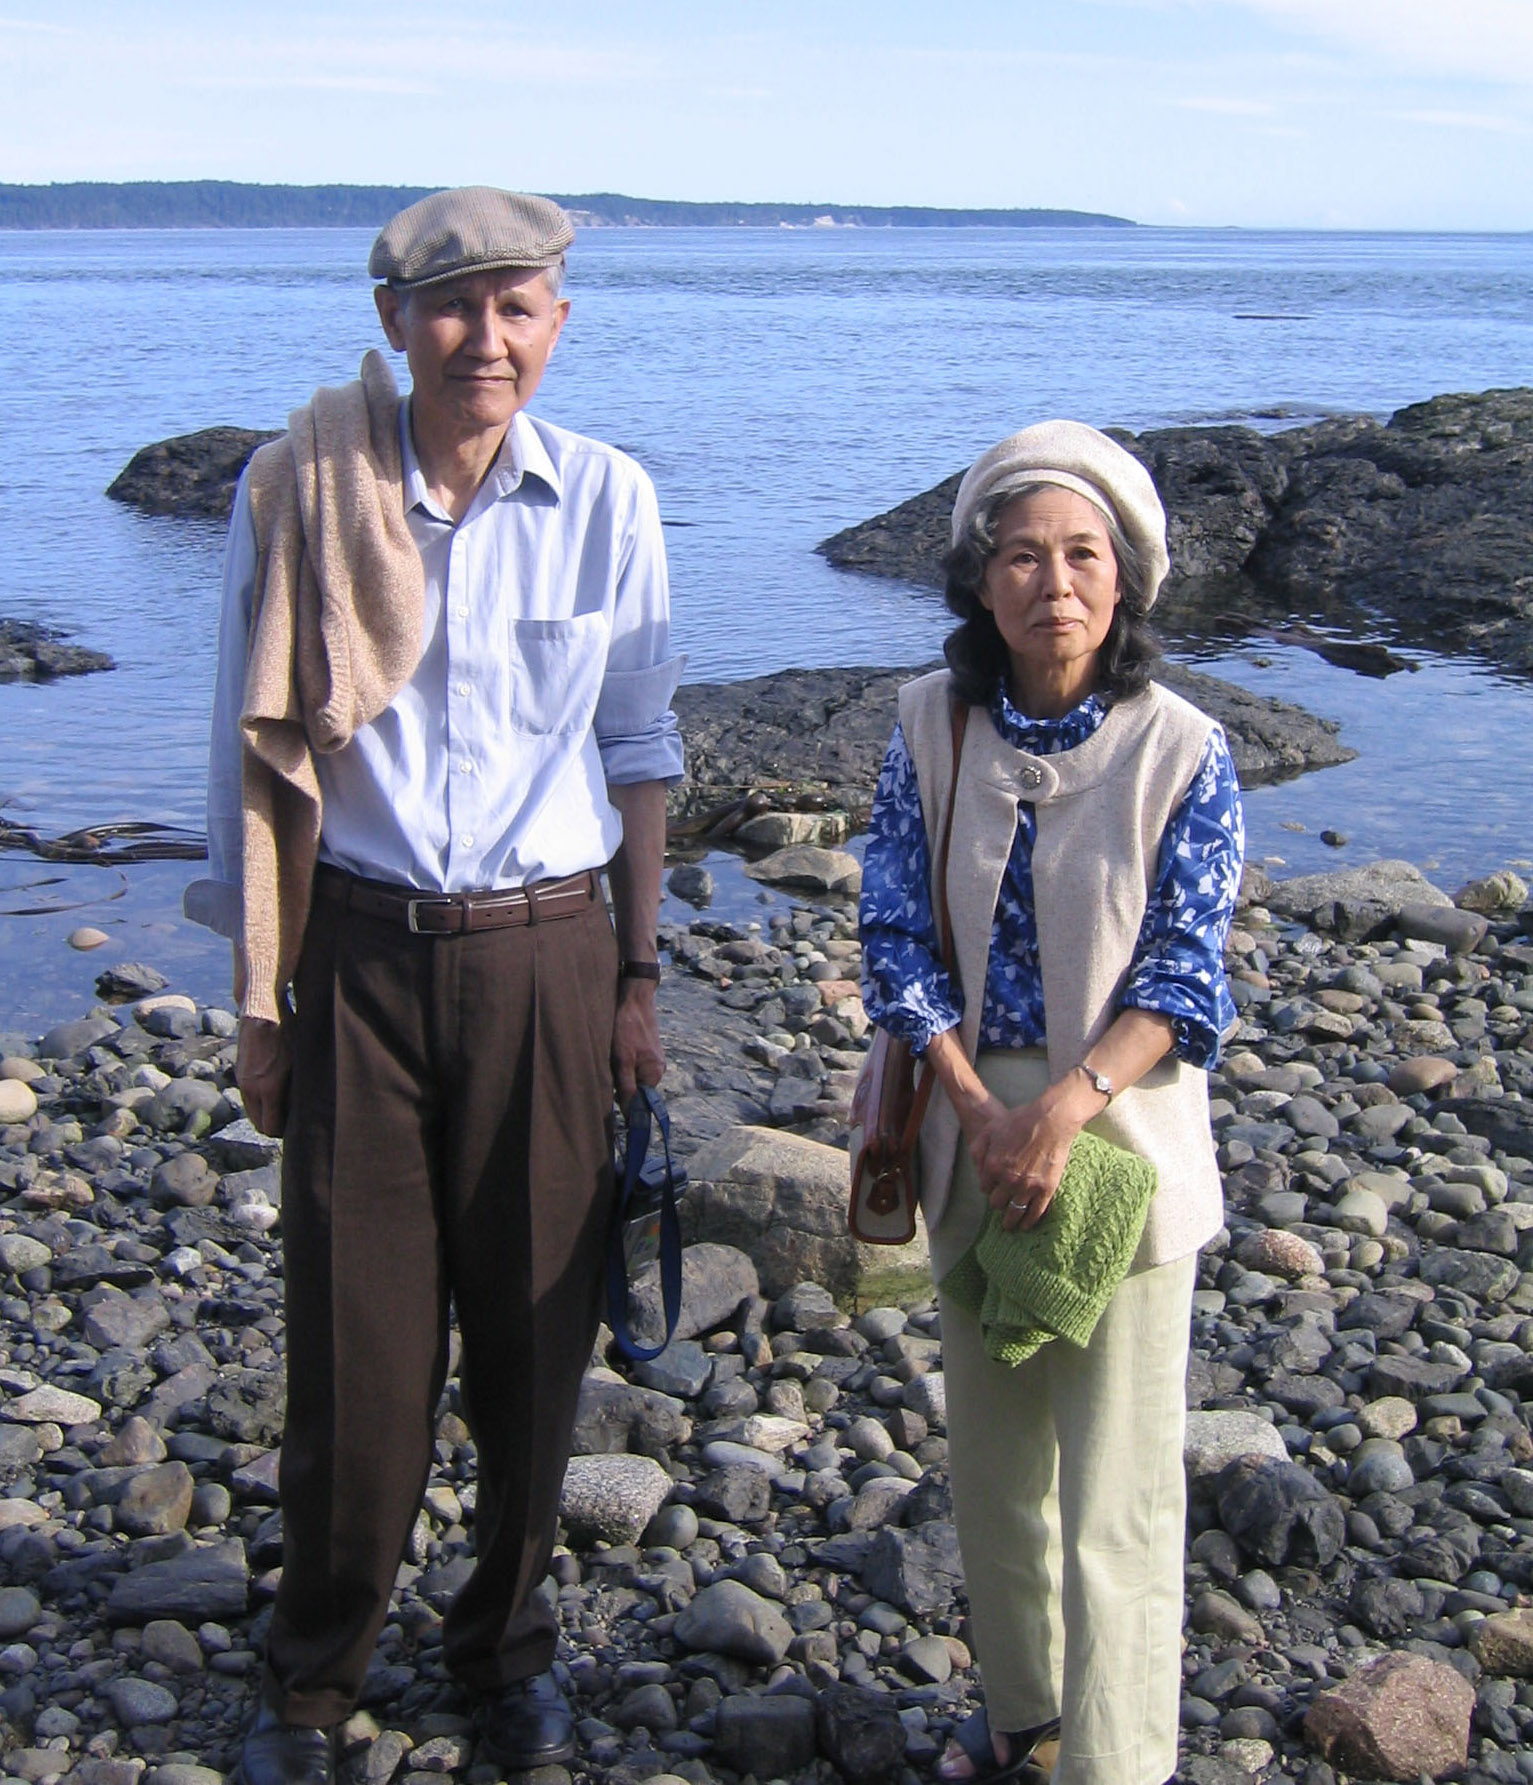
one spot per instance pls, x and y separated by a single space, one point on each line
1054 1280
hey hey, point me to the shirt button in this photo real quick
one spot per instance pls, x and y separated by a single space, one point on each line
465 768
467 842
463 611
463 690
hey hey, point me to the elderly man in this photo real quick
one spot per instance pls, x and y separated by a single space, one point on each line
442 708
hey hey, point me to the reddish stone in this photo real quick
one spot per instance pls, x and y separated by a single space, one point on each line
1397 1718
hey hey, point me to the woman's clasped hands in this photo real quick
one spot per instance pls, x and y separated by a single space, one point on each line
1019 1154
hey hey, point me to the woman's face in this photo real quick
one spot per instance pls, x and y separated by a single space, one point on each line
1052 586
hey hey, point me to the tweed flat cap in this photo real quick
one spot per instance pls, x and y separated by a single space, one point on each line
471 229
1079 458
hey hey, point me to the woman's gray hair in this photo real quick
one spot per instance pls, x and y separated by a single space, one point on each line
979 534
975 651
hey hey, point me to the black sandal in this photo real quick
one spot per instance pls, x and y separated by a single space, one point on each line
974 1738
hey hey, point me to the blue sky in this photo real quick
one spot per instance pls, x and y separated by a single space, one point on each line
1391 114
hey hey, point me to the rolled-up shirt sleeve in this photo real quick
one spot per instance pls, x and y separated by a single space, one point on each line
636 730
217 901
905 987
1179 962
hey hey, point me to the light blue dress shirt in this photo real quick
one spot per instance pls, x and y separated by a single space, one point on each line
545 677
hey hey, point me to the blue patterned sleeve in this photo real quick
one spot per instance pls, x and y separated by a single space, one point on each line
905 987
1179 963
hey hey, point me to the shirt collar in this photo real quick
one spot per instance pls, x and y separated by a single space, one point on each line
1046 737
522 454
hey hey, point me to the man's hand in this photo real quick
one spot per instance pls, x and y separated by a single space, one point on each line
262 1067
638 1057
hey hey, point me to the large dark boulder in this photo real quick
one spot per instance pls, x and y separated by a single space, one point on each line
1423 523
193 474
1278 1513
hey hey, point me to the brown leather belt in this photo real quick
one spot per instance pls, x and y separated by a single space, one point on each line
455 914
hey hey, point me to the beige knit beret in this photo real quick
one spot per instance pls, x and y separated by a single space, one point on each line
471 229
1078 458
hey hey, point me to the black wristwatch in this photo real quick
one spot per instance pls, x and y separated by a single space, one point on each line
639 970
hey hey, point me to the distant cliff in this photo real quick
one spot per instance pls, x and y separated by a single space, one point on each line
229 204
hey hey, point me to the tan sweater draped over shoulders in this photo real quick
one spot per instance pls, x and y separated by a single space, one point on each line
1101 809
335 633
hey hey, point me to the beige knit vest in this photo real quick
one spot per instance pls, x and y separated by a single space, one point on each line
1101 810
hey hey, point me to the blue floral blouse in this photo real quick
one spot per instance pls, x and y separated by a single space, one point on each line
1178 964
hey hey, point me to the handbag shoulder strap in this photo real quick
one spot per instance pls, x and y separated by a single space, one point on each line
939 865
940 912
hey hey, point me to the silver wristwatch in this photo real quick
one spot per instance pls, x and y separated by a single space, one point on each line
1099 1081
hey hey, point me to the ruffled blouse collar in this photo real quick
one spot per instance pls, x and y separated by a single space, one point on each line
1046 737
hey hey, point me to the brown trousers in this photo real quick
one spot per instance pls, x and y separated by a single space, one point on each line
449 1140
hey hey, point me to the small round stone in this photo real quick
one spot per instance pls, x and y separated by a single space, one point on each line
18 1101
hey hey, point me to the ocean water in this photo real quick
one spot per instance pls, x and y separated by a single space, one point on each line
778 385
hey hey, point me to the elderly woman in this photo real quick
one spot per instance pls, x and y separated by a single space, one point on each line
1095 857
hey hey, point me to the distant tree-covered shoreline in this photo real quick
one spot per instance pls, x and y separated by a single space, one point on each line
231 204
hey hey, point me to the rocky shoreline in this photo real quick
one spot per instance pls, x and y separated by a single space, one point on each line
1420 527
760 1576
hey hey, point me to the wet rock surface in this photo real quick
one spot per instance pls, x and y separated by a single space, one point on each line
1420 523
823 732
760 1574
33 653
193 474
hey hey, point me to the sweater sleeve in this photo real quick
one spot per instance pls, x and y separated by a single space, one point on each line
905 987
217 901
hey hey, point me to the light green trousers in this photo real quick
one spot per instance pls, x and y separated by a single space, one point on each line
1070 1502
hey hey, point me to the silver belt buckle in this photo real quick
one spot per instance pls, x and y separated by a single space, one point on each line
413 906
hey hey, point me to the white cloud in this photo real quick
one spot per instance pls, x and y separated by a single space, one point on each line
1502 126
323 83
1227 108
37 27
1489 40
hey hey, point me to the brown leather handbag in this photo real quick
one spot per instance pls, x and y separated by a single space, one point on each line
889 1104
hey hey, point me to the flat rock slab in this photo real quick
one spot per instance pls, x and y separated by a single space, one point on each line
201 1586
1354 902
825 731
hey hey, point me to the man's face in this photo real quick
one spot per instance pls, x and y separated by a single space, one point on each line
476 345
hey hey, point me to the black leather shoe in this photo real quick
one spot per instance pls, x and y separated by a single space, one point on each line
278 1753
528 1724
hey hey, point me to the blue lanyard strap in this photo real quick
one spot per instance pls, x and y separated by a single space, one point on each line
646 1113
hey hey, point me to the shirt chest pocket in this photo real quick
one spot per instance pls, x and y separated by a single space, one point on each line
557 668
